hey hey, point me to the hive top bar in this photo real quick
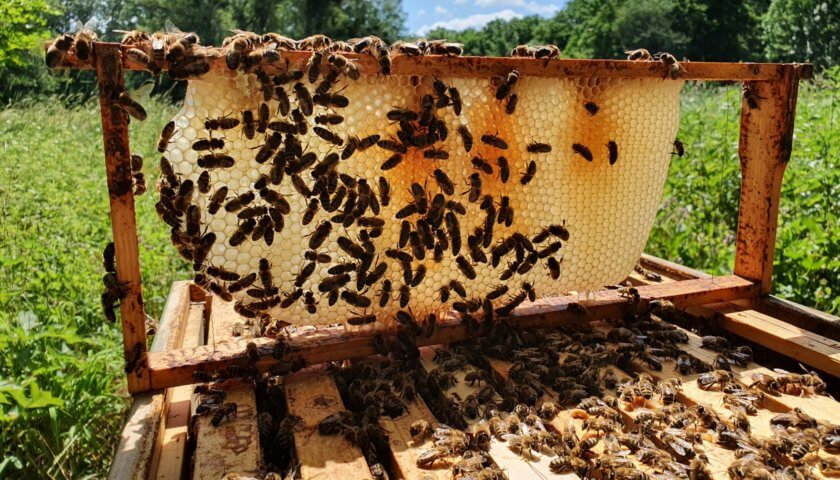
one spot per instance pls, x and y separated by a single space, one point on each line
470 66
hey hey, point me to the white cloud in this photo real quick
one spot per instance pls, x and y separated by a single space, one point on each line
460 2
421 12
473 21
530 7
440 10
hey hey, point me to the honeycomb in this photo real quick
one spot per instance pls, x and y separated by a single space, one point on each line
607 209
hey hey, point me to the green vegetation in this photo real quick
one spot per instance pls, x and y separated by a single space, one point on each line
698 218
62 391
722 30
62 388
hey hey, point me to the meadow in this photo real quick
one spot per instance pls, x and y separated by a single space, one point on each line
62 392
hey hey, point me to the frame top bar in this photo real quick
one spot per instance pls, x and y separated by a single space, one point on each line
469 66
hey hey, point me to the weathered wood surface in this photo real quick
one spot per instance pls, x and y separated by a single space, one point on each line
173 445
312 394
318 346
133 458
514 466
121 196
815 321
818 406
767 114
139 449
437 65
233 446
173 319
807 318
807 347
757 321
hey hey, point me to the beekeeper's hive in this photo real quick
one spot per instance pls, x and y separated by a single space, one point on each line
607 208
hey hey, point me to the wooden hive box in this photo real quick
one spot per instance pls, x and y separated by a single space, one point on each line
195 328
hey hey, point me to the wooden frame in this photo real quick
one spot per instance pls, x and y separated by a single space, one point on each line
768 110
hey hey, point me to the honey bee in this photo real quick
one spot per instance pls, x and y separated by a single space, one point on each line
710 379
226 411
480 164
141 57
537 147
679 148
612 147
83 41
583 151
131 106
504 88
639 54
510 105
715 343
494 141
523 51
673 67
455 99
133 357
529 174
474 190
58 49
215 160
223 123
436 154
235 48
358 320
314 42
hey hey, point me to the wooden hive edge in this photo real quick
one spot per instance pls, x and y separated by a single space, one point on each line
176 367
777 324
471 66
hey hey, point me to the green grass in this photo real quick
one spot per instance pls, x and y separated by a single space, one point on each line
62 389
698 218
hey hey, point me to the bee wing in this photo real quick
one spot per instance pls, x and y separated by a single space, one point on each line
170 27
143 92
781 372
89 24
121 31
677 447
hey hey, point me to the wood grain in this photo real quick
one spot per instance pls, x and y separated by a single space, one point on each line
173 446
767 113
467 66
176 367
312 395
108 58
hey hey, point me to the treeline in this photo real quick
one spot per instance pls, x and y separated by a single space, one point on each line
711 30
724 30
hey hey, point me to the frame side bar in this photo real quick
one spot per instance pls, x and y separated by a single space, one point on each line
109 71
470 66
767 114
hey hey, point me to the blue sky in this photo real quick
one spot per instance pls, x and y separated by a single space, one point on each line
424 15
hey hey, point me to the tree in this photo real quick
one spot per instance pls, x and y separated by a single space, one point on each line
23 26
803 30
648 24
720 30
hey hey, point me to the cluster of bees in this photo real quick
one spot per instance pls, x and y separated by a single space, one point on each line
430 224
562 398
626 422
